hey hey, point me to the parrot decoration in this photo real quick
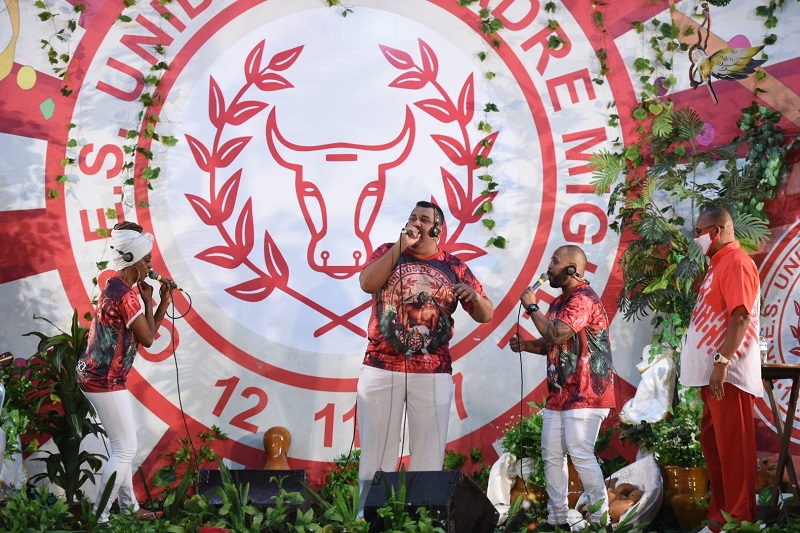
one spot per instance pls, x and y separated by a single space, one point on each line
724 64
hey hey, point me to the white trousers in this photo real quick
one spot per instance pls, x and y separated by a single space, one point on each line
383 397
115 413
572 432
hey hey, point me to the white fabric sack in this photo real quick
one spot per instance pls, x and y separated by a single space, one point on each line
654 393
646 475
502 476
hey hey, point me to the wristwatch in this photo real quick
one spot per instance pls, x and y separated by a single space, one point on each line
719 358
531 308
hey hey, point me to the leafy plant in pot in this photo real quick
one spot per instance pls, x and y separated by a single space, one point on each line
678 451
676 442
522 438
63 412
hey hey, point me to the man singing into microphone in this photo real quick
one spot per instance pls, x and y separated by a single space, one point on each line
416 288
574 337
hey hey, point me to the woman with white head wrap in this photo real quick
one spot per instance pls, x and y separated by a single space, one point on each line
121 322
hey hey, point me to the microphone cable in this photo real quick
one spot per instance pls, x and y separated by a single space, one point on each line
173 317
190 441
405 374
539 281
342 477
521 391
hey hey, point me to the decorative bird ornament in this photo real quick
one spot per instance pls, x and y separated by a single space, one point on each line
724 64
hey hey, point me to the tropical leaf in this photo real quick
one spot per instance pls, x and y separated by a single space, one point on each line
607 168
663 125
751 228
688 124
726 151
662 282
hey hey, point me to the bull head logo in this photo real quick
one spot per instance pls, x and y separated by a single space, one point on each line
340 243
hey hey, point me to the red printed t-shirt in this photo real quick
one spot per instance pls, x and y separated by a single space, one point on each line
411 322
579 371
731 281
111 346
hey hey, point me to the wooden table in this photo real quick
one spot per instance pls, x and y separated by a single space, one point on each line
770 373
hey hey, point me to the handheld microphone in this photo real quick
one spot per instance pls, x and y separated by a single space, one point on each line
166 281
408 232
542 279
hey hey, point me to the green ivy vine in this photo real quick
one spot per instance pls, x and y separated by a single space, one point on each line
661 173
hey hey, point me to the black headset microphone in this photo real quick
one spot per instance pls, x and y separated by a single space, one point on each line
126 256
572 271
166 281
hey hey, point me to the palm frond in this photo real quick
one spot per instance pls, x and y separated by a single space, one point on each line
688 123
637 308
607 167
750 228
663 125
726 151
688 269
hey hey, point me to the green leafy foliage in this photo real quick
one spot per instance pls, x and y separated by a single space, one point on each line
395 513
35 510
343 472
235 512
454 460
677 435
17 412
64 413
657 180
340 508
183 469
523 439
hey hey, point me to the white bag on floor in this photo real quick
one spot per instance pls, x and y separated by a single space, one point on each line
646 475
502 476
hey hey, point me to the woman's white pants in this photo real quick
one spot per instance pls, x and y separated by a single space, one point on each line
115 413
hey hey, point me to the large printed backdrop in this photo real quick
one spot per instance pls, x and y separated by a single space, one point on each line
304 139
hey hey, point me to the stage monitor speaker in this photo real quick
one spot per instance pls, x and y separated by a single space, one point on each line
264 485
452 499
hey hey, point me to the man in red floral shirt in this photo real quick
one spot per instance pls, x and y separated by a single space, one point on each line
416 287
574 337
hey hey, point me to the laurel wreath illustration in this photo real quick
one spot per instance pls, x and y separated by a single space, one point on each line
220 206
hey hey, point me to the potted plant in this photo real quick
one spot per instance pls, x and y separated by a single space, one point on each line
15 420
15 411
766 469
676 437
63 412
678 451
522 438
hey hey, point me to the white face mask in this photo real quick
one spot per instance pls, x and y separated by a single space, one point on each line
704 241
